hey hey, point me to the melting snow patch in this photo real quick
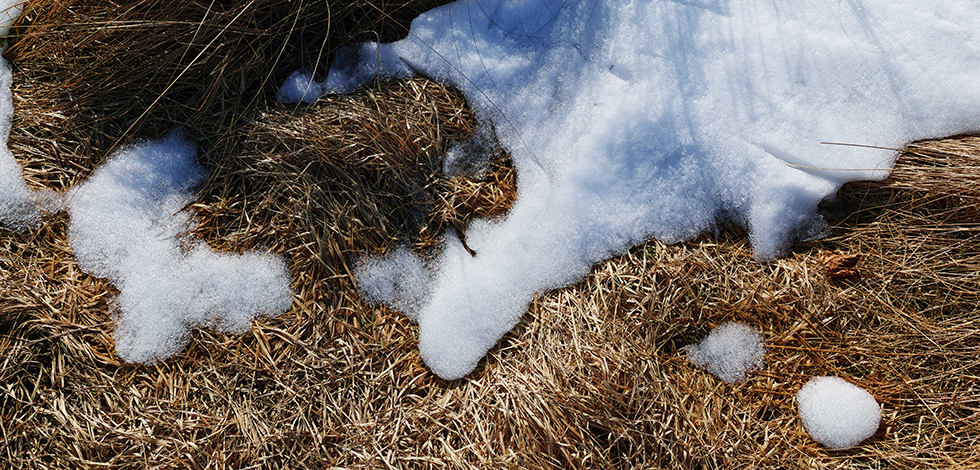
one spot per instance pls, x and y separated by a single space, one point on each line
128 225
18 208
730 351
837 413
636 119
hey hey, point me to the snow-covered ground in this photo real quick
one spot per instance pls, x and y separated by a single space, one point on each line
636 119
626 120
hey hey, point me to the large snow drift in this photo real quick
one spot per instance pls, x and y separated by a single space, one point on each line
636 119
128 225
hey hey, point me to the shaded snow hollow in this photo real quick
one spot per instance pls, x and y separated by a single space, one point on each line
730 351
636 119
837 413
399 279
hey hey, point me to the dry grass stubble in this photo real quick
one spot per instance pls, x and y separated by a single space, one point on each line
594 376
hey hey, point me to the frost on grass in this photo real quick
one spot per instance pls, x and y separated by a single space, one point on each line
630 120
128 224
730 351
837 413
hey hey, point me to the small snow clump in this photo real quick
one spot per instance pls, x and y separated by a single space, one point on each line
300 86
730 351
837 413
399 280
128 224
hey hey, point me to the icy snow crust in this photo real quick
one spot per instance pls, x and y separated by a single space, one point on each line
730 351
128 225
636 119
837 413
10 10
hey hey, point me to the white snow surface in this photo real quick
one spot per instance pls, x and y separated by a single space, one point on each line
637 119
128 224
837 413
300 86
400 280
10 10
18 209
730 351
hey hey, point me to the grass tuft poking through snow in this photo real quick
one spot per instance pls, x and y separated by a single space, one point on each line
10 10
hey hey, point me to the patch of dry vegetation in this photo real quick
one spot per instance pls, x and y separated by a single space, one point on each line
594 376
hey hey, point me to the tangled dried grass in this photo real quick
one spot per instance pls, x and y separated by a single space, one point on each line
594 376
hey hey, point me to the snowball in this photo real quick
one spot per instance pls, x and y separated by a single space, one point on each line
837 413
632 119
399 280
730 351
128 225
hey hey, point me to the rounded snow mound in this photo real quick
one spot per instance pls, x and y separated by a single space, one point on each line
837 413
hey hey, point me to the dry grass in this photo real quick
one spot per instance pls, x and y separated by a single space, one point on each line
594 376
